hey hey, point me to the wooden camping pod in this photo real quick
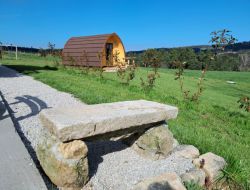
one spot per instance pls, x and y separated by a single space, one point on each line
93 51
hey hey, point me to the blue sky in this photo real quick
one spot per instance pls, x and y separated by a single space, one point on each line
141 24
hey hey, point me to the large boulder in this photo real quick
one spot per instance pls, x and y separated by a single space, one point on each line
155 143
66 164
169 181
110 119
212 165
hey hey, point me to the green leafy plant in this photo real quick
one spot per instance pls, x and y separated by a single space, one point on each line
244 103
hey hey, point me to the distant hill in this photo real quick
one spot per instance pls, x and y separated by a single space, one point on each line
241 46
22 49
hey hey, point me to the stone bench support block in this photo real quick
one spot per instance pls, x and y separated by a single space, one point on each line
90 120
66 164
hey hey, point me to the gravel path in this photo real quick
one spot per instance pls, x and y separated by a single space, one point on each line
27 97
112 164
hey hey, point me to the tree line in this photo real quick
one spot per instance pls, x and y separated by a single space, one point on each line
226 61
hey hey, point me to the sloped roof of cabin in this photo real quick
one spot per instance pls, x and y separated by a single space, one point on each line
91 45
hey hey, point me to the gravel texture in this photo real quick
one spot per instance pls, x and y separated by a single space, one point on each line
113 165
27 97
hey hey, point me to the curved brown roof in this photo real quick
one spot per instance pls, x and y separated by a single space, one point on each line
79 47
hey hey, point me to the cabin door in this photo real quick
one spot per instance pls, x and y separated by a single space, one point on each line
109 54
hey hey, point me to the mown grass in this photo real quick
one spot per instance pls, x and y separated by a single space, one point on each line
215 124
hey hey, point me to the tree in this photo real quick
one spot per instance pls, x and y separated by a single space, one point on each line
219 40
51 48
152 58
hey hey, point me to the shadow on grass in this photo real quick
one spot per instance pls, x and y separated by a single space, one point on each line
29 69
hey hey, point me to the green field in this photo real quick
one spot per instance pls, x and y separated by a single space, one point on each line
214 124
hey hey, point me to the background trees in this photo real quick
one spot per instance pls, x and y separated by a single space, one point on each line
235 57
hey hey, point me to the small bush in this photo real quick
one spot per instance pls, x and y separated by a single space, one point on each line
149 83
152 58
126 74
244 103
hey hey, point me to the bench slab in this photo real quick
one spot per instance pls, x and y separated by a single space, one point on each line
70 123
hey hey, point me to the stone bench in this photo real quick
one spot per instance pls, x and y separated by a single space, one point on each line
63 153
102 119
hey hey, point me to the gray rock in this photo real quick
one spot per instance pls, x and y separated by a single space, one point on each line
195 175
169 181
155 143
187 151
211 164
87 121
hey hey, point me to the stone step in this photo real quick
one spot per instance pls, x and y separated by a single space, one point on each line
70 123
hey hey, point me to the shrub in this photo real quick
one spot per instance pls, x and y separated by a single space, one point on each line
125 73
244 103
152 58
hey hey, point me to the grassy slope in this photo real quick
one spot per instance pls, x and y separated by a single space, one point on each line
216 124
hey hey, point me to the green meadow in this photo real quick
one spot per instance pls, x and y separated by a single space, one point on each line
214 124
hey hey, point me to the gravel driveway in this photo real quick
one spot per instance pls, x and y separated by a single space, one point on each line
112 164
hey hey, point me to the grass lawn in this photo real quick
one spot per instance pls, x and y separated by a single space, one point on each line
214 124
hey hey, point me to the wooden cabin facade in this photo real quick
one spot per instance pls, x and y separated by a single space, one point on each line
94 51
